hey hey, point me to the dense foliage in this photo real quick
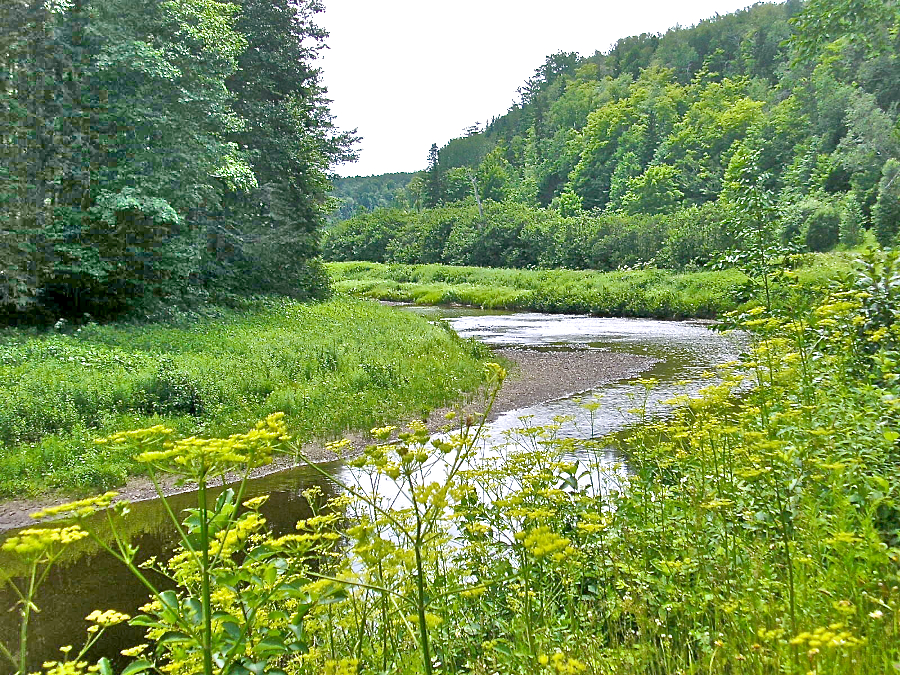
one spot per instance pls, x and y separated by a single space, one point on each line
156 150
661 139
358 194
509 234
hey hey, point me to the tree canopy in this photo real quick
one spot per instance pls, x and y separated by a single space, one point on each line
155 151
810 90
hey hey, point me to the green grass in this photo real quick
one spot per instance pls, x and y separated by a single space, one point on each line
331 367
643 293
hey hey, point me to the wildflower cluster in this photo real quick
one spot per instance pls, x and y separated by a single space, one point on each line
341 667
31 543
833 636
105 619
543 542
78 509
69 668
195 457
560 663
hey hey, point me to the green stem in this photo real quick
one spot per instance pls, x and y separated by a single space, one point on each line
420 591
26 615
8 655
526 582
204 578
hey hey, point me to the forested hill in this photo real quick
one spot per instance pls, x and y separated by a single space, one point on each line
357 194
791 106
153 152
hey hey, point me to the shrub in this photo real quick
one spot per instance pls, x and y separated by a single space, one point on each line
823 229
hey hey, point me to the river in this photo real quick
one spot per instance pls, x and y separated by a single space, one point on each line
88 579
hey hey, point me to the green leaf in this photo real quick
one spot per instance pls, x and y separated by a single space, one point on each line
194 610
172 637
144 620
337 595
233 629
169 599
136 667
227 497
224 616
271 646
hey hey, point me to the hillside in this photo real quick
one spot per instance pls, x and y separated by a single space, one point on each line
791 107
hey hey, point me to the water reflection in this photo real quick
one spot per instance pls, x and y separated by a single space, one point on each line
88 578
684 351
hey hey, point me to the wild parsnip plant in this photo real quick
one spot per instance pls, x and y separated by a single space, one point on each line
755 532
239 595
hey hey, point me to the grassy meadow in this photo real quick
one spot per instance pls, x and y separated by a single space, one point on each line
648 292
330 367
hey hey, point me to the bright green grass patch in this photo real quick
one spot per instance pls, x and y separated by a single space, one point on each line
340 365
645 293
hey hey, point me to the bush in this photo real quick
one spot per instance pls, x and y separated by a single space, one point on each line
823 229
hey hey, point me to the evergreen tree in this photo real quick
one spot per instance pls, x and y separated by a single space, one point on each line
266 238
434 179
136 134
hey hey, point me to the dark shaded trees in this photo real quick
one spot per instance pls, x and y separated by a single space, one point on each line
138 132
265 237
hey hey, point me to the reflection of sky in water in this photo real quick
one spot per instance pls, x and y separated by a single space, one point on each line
683 350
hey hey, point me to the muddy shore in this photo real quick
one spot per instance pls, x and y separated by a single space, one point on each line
534 377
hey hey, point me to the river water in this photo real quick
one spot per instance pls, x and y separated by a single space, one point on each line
89 579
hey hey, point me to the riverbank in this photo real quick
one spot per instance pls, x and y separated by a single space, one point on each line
648 293
330 367
533 377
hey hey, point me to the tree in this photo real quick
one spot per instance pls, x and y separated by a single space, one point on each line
142 136
752 209
434 178
119 107
654 191
886 214
265 236
871 23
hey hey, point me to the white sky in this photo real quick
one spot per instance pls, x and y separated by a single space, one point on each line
409 73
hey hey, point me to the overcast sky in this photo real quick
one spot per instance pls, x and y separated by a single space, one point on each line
409 73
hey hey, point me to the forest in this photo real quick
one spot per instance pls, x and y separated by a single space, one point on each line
664 150
157 153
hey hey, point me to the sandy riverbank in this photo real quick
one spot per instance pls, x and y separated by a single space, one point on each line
534 377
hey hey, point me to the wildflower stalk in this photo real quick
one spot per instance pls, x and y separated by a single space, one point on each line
26 616
420 592
204 576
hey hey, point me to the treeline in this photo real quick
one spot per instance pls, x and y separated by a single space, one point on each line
358 194
159 151
778 114
509 234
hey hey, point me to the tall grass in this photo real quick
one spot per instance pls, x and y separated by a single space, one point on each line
330 367
642 293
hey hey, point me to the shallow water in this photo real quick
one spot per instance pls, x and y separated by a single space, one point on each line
89 579
683 350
